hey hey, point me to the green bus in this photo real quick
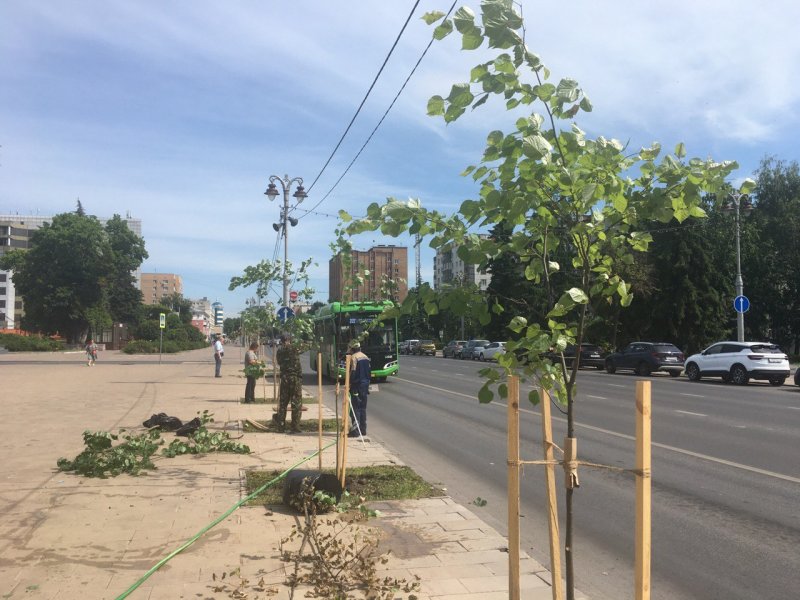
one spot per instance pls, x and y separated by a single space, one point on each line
337 324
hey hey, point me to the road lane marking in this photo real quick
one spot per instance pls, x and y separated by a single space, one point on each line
706 457
598 397
794 407
693 395
686 412
619 385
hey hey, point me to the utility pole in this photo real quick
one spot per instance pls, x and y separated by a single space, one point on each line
300 194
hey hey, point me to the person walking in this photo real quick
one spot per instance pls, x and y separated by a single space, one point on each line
250 360
91 352
291 385
360 373
219 352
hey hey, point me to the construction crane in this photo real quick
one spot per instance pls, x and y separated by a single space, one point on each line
417 262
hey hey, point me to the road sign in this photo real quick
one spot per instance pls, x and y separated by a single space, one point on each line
292 296
741 304
162 320
284 313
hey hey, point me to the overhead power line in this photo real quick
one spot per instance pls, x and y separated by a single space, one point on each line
360 106
385 114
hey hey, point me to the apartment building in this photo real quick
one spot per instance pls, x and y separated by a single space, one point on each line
449 269
156 286
383 262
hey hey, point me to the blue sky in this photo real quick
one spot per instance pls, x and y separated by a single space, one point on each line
178 112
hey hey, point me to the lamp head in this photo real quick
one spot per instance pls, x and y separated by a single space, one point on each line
300 194
272 191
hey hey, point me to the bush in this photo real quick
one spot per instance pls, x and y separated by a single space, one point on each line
20 343
141 347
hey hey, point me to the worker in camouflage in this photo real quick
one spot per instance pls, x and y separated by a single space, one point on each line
291 386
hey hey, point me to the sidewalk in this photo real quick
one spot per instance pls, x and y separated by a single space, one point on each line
67 537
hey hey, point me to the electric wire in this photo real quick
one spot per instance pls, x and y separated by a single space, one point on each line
385 114
360 106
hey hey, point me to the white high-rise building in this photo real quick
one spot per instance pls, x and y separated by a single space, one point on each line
449 269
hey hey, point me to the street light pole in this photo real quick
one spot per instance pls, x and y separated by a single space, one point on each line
300 194
734 200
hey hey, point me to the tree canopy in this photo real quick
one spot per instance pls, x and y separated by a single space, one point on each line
77 274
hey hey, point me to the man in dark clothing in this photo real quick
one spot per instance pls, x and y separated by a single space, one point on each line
360 373
291 385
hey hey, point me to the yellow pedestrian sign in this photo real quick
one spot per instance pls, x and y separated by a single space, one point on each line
162 320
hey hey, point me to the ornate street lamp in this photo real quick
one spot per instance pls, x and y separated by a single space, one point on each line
300 195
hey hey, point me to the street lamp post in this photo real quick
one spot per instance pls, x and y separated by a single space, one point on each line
733 203
300 194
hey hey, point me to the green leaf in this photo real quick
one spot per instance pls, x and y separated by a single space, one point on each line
464 19
436 106
748 185
460 95
517 324
443 30
586 105
535 146
578 295
568 90
680 150
533 397
431 17
471 39
344 216
478 73
545 91
485 395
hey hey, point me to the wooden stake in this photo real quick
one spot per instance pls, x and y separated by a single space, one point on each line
338 434
552 505
643 482
345 417
319 400
274 374
513 488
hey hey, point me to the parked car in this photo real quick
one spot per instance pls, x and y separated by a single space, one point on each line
647 357
407 346
591 356
452 348
491 351
739 362
469 351
797 377
425 347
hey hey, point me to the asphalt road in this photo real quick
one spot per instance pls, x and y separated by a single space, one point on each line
726 474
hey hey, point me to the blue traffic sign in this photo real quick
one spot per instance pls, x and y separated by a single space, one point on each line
741 304
284 313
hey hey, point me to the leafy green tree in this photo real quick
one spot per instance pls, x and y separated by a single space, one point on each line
128 253
575 204
175 302
263 276
771 255
62 276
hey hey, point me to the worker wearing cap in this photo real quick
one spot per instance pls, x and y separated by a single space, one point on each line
360 373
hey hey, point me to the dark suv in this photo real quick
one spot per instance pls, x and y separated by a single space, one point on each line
647 357
591 356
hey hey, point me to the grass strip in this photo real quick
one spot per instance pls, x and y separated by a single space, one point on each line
375 483
310 425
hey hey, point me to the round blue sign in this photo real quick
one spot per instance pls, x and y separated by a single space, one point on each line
741 304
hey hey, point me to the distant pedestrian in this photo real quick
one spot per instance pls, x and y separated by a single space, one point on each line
91 352
219 352
360 373
250 360
291 386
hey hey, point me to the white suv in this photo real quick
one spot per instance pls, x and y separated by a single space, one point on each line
739 362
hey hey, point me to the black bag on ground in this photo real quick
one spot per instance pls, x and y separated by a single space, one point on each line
293 486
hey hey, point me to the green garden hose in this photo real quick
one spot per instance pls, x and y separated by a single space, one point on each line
215 522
